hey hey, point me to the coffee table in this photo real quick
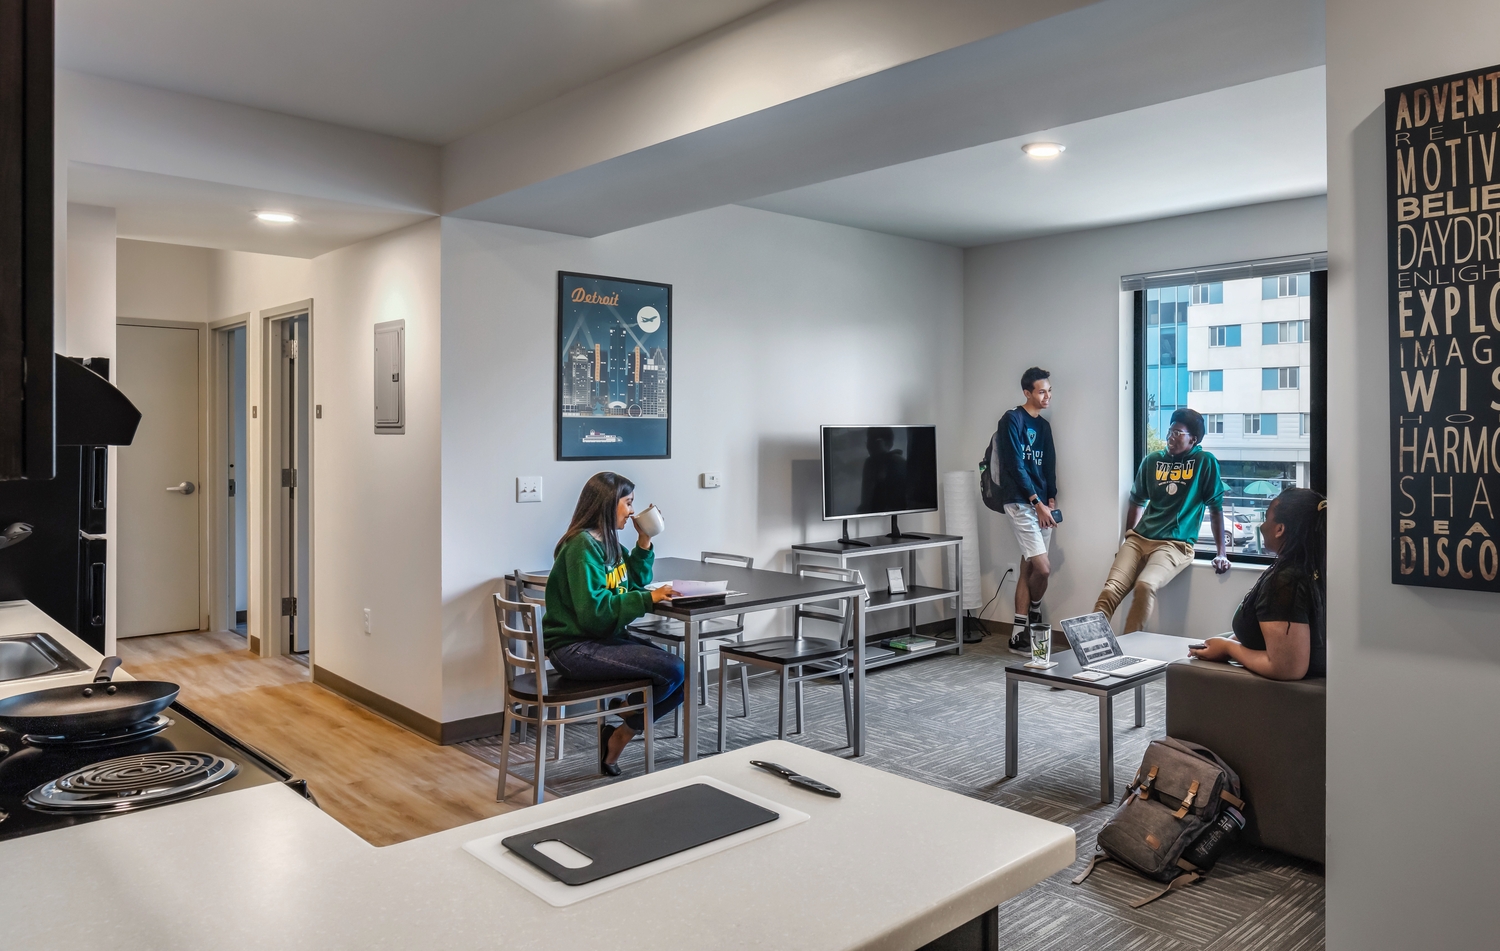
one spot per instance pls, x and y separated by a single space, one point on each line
1140 644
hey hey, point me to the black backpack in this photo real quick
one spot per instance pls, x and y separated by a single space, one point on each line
987 484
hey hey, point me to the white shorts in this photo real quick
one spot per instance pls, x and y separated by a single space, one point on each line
1030 534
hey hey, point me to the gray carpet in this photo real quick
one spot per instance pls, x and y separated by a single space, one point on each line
941 720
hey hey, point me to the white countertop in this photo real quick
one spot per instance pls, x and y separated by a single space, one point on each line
23 617
891 865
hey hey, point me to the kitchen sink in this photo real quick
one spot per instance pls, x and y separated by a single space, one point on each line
23 656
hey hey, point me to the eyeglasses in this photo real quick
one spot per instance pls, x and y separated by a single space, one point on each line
1178 431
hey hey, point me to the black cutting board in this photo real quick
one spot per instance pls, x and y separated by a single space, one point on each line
634 833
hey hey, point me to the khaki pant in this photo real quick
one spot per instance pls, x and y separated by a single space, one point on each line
1143 565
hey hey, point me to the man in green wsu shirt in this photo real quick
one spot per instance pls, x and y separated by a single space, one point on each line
1173 485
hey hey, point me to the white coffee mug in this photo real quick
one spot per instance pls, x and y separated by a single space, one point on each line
649 522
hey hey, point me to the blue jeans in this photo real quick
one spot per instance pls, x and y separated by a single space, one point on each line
625 658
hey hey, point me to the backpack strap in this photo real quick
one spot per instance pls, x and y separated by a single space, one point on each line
1232 799
1173 885
1099 856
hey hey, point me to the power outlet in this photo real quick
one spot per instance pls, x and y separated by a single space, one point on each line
709 480
1015 574
528 488
367 622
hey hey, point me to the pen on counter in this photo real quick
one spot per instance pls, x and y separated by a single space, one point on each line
797 779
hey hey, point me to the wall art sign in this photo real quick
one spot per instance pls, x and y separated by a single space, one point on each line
614 382
1443 193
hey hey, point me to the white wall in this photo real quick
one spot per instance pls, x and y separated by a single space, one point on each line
163 281
781 324
1415 672
1055 302
377 499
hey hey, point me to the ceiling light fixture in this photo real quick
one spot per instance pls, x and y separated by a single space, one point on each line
1043 150
277 217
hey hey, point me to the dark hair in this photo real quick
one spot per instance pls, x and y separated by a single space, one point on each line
595 512
1192 420
1030 377
1303 515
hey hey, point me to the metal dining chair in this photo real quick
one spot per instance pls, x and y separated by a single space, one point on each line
669 632
531 588
797 659
529 686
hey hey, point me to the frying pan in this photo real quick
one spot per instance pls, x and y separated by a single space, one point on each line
98 707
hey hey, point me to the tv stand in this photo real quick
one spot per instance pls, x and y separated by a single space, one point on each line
896 534
844 539
880 650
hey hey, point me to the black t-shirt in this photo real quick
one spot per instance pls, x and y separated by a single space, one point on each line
1284 594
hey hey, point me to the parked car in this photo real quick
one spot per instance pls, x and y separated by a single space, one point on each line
1236 532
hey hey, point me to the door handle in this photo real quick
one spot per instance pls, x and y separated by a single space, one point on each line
186 488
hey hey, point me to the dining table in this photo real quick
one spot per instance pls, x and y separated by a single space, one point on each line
753 589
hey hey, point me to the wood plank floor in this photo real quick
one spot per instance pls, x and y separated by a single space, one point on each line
379 779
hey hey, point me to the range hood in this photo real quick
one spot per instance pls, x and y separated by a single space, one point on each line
89 410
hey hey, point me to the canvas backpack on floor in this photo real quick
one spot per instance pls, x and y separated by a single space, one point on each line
1180 812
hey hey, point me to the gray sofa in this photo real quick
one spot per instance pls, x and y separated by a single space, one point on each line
1272 733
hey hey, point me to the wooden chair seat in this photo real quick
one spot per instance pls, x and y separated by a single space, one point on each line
561 690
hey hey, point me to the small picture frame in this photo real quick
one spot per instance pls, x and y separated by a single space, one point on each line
895 581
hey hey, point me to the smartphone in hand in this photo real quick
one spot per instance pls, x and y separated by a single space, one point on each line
1197 645
1057 516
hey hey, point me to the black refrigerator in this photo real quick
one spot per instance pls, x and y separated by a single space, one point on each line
52 531
60 566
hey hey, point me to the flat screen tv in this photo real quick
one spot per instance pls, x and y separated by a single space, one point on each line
879 470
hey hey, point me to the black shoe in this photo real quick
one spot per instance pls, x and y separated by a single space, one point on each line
1020 643
607 769
1034 616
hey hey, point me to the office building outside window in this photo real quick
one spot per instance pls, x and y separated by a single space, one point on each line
1248 385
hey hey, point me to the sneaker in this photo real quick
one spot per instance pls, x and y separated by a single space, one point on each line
1020 642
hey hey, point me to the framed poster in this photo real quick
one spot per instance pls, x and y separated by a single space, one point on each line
1443 221
614 382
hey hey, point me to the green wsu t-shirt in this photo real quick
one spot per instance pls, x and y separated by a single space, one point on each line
1174 491
589 600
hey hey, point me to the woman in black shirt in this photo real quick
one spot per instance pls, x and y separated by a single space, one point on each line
1278 628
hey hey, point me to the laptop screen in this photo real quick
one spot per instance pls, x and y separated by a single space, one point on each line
1092 638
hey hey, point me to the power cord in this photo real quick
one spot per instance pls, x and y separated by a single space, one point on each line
978 620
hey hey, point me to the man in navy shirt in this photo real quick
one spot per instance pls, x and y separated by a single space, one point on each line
1024 469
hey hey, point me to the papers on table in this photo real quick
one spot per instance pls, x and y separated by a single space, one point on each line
698 589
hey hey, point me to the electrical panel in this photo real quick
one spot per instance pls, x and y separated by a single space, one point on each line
390 377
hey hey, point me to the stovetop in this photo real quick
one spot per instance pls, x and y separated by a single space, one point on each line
187 758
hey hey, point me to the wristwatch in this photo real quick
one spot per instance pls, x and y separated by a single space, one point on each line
1035 501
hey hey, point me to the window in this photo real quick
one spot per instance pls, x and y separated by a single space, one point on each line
1206 381
1225 335
1285 285
1208 293
1261 422
1280 378
1283 331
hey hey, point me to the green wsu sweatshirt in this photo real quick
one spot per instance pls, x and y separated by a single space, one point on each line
588 600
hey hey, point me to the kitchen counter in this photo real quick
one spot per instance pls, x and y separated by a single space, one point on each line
891 865
23 617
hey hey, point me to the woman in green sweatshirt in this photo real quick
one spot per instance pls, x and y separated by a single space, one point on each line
593 591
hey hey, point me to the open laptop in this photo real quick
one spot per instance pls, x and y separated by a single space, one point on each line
1093 642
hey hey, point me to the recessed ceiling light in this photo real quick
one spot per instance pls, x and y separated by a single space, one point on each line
1043 150
278 217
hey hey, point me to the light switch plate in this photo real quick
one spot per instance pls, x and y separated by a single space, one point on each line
528 488
367 622
709 480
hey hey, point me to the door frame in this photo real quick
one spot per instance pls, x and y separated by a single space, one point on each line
216 487
205 535
271 516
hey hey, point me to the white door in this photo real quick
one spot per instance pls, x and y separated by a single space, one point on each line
158 554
